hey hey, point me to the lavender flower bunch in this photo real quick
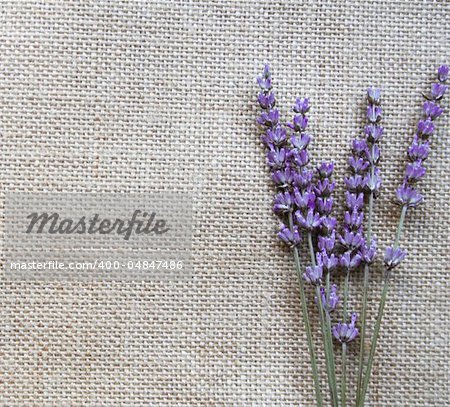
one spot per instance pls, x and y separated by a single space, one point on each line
304 203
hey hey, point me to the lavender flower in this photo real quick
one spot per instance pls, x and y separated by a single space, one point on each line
329 304
291 238
393 257
418 152
408 196
443 73
283 202
313 275
310 221
350 261
346 332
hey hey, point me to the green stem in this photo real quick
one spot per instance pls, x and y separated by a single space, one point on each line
376 331
346 285
362 338
307 323
344 376
344 345
325 325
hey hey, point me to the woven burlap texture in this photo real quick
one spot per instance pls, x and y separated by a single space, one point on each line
125 96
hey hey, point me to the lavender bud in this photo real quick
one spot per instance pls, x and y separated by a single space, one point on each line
328 261
276 158
299 123
311 221
368 253
373 154
303 179
358 165
373 181
414 171
283 202
354 201
351 240
443 73
349 261
313 275
299 158
329 304
324 205
373 132
374 95
418 151
438 90
355 183
359 147
394 257
325 170
304 199
264 81
346 332
291 238
327 243
328 225
408 196
301 142
275 136
283 178
432 110
324 187
374 114
301 106
354 219
425 128
269 119
266 101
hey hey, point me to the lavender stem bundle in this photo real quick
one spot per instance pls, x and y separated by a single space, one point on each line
304 203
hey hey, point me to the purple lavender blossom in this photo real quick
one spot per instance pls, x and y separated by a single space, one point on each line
408 196
425 128
283 178
346 332
432 110
368 253
374 113
438 90
329 304
326 243
443 73
304 199
350 261
393 257
291 238
374 95
313 275
283 202
310 221
301 106
414 172
418 152
329 262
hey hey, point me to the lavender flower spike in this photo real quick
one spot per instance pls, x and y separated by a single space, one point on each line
346 332
408 197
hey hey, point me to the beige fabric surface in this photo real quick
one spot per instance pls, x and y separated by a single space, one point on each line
124 96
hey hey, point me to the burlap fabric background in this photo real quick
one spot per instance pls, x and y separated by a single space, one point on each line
144 96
